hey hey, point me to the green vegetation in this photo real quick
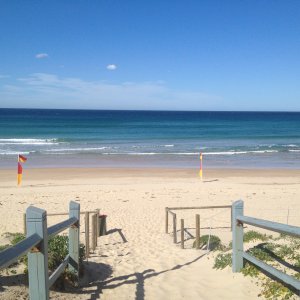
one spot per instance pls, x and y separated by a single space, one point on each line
57 251
222 261
254 236
273 251
275 290
214 242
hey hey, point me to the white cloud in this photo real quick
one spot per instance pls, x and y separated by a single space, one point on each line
111 67
50 91
41 55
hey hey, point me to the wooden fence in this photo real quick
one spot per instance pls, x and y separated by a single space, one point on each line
238 254
94 225
170 210
35 245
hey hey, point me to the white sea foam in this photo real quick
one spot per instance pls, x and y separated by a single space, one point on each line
168 145
294 150
151 153
76 149
192 153
28 142
14 152
240 152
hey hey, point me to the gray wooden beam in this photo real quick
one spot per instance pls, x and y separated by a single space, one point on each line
59 227
237 236
290 280
58 270
12 254
74 212
36 223
269 225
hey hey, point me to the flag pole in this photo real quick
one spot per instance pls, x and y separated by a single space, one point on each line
19 171
201 167
18 176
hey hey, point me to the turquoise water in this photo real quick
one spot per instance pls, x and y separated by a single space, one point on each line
52 138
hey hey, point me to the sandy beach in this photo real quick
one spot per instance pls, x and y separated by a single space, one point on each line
148 265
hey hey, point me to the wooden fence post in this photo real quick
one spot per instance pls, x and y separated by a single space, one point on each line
197 246
167 220
74 211
87 234
182 233
36 223
94 232
174 229
237 236
97 225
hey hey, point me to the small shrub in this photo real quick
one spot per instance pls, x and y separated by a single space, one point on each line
253 235
285 251
269 247
57 251
14 237
260 253
222 260
267 252
250 270
275 290
214 242
17 237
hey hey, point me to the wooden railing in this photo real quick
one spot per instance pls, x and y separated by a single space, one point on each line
170 210
36 246
238 254
94 227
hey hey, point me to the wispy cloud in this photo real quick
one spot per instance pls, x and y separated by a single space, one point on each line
4 76
52 91
111 67
41 55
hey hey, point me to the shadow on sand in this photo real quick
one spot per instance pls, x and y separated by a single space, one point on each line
102 281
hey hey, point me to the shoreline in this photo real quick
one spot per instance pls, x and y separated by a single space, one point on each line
65 174
284 160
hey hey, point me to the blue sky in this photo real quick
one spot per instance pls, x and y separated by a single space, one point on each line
174 55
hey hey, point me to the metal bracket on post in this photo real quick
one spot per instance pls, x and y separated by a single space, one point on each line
36 223
74 211
237 236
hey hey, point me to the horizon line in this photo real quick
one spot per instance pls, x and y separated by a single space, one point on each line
154 110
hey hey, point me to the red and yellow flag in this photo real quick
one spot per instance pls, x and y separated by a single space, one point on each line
21 159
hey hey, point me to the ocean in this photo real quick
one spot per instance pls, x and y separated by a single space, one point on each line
172 139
